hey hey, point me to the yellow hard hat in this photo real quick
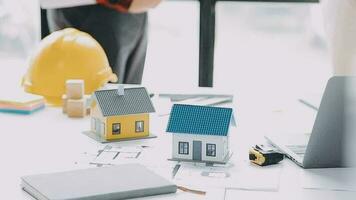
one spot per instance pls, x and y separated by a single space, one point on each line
67 54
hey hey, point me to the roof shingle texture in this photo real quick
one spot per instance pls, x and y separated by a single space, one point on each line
134 101
203 120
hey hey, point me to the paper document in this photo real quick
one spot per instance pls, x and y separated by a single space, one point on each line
199 176
341 179
112 155
232 194
52 4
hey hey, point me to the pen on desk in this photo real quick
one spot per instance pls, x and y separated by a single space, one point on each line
175 170
138 154
308 104
184 189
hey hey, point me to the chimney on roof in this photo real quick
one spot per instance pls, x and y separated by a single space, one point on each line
120 90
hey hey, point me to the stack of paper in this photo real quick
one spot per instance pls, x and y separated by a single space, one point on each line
21 103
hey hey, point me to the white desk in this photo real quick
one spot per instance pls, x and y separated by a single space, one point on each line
48 141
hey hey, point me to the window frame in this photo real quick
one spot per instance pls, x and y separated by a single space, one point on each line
112 129
209 150
143 126
184 144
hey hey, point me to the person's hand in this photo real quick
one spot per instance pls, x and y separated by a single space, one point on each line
138 6
132 6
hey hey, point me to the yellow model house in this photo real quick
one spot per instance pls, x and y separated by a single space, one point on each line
121 113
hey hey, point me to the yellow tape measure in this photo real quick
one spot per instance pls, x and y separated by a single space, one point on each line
263 156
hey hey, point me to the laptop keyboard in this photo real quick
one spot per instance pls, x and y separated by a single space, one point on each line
298 149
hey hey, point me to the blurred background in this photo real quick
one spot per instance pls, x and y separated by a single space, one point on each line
264 48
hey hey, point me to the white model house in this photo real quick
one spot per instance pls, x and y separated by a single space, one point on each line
200 133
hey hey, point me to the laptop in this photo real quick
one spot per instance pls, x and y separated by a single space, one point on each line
327 145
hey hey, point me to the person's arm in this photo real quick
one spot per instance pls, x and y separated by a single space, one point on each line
132 6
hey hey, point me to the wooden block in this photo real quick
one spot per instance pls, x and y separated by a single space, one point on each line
75 89
76 107
64 101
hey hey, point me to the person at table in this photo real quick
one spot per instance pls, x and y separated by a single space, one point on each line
120 26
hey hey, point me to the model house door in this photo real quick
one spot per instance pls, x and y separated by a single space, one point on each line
197 150
97 126
102 130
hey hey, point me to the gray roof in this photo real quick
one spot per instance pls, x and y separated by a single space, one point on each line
135 101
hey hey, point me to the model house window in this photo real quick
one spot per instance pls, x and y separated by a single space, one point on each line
183 148
116 128
139 126
211 150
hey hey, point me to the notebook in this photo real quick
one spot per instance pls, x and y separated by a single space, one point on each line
18 98
104 183
20 102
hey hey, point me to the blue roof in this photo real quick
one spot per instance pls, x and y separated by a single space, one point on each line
202 120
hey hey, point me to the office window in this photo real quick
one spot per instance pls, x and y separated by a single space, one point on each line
183 148
139 126
211 150
19 29
116 128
